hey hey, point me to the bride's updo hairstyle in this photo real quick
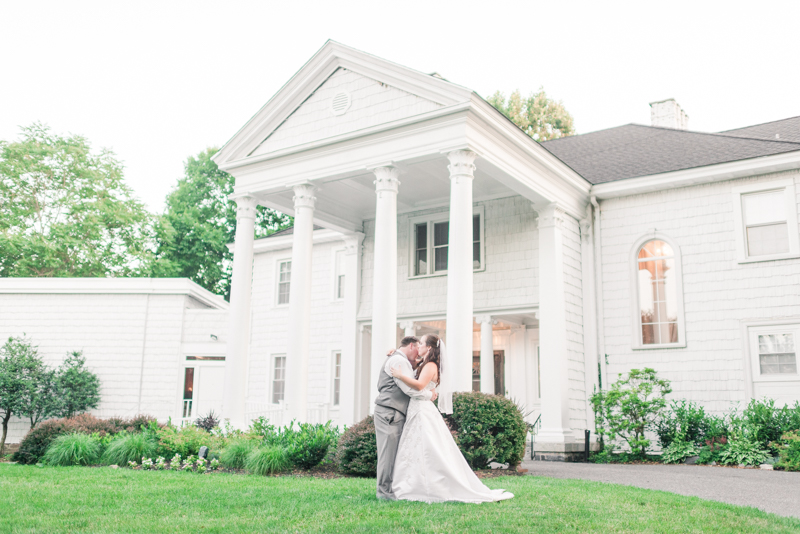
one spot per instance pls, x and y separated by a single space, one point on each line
434 355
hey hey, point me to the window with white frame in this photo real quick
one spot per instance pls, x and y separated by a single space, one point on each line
284 281
657 295
430 244
338 274
278 378
766 219
337 377
777 354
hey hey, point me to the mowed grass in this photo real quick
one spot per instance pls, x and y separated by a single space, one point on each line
99 500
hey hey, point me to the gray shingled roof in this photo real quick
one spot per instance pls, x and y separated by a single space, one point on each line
785 130
636 150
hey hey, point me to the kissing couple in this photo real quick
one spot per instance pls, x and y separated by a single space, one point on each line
418 459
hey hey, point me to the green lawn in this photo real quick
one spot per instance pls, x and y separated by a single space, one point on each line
76 499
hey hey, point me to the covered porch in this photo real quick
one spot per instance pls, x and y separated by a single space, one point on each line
444 152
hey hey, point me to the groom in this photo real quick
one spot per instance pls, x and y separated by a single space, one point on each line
390 410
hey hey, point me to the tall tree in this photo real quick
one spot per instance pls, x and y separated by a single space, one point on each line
66 211
199 221
540 117
78 388
19 366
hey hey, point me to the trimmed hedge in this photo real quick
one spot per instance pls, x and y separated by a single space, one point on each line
357 453
489 428
39 438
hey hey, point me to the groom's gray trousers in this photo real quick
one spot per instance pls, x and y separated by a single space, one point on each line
388 429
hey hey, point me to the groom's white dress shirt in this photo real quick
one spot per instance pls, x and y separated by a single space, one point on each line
399 359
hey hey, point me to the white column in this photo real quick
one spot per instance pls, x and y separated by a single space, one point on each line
238 344
589 314
350 330
553 329
487 354
459 268
299 328
409 328
384 272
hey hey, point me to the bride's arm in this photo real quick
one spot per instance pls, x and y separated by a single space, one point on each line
425 376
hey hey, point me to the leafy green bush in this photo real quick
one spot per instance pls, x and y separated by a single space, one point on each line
267 460
678 450
235 453
743 450
185 441
789 450
308 446
73 449
489 428
765 423
712 449
130 448
689 419
39 438
357 453
631 407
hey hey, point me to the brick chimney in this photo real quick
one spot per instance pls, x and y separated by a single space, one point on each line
668 114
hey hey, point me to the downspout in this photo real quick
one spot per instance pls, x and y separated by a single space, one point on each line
598 284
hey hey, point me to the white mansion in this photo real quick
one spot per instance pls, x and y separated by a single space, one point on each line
549 268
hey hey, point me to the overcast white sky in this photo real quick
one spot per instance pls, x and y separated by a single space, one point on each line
159 81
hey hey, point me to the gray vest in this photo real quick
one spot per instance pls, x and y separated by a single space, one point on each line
389 395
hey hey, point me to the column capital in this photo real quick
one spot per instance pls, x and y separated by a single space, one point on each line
304 196
481 319
246 205
353 243
550 215
586 229
386 179
406 325
461 164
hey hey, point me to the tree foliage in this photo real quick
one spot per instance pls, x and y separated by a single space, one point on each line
78 388
631 407
19 365
198 224
540 117
65 211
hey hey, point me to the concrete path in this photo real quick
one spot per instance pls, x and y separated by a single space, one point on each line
777 492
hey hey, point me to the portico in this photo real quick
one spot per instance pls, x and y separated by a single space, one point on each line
410 171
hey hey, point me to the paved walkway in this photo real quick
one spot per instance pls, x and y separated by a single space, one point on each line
777 492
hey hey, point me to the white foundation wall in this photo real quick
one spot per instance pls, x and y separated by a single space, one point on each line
509 279
130 341
270 321
719 293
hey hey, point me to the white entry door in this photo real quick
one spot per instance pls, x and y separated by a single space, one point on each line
208 392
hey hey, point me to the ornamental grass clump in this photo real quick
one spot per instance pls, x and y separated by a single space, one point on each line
357 453
235 454
129 448
73 449
268 460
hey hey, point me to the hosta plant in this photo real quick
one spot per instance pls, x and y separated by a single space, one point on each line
678 451
743 451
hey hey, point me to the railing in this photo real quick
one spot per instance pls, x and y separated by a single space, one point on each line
277 415
534 429
318 413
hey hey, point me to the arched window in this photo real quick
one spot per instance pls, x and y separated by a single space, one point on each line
658 297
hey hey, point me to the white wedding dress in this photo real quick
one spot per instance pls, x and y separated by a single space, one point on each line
429 466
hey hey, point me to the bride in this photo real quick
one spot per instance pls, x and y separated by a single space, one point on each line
429 466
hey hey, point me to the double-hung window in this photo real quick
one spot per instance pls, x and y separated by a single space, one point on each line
278 378
337 377
771 359
766 221
284 281
338 275
430 240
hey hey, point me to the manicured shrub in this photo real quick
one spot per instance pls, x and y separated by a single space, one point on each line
130 448
490 428
357 453
184 441
765 423
631 407
73 449
789 450
308 446
235 453
267 460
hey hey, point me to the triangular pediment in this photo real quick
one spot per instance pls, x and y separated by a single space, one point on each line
344 103
303 111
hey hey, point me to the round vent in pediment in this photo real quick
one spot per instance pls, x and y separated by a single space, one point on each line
340 103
